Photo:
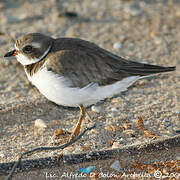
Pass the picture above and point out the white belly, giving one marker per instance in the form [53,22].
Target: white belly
[57,89]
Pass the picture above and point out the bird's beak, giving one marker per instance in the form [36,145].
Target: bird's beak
[11,53]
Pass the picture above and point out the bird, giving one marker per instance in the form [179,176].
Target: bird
[77,73]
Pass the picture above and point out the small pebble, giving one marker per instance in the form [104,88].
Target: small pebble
[133,11]
[157,40]
[40,123]
[116,145]
[2,155]
[115,165]
[142,82]
[39,127]
[116,100]
[97,109]
[114,109]
[95,3]
[58,132]
[117,45]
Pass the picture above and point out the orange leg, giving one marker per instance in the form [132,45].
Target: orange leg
[76,130]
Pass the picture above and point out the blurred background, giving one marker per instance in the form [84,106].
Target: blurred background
[126,26]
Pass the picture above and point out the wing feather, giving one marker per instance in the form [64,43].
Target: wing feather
[83,62]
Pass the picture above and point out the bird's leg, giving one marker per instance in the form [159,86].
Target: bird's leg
[76,131]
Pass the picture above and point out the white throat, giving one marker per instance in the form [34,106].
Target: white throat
[24,60]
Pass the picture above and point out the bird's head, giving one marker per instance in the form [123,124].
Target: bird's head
[31,48]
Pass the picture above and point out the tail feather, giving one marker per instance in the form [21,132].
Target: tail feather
[146,69]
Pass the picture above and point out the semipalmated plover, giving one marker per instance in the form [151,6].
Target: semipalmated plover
[77,73]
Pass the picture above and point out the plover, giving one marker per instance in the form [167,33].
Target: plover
[77,73]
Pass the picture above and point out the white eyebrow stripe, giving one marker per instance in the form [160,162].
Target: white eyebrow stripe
[36,45]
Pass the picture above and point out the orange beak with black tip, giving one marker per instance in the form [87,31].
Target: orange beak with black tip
[11,53]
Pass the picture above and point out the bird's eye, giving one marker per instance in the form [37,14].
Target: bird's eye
[27,49]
